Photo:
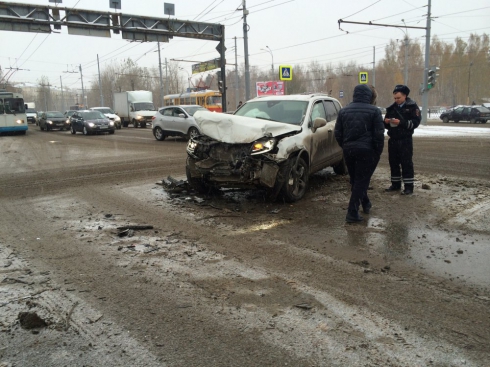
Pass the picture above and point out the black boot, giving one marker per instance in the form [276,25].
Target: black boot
[366,207]
[408,190]
[353,217]
[393,187]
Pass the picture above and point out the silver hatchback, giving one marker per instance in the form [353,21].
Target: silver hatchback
[176,121]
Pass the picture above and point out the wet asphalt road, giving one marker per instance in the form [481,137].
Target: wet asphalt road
[223,287]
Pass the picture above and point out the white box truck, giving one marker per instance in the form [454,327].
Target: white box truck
[134,107]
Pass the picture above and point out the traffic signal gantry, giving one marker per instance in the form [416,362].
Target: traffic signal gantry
[432,76]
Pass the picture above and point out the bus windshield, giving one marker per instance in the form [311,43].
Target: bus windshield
[12,106]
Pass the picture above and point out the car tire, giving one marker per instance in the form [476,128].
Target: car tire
[484,121]
[42,128]
[158,133]
[143,125]
[294,177]
[198,184]
[473,121]
[341,168]
[456,121]
[135,124]
[72,130]
[111,131]
[85,131]
[124,123]
[192,133]
[445,119]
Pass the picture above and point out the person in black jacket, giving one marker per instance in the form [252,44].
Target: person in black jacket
[401,119]
[359,130]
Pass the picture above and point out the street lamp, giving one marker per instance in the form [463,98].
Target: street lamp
[469,79]
[268,49]
[188,77]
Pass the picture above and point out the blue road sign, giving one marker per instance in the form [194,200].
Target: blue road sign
[285,72]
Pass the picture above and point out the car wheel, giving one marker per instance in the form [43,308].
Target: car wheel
[472,121]
[445,120]
[135,124]
[294,174]
[42,128]
[111,131]
[73,131]
[340,168]
[85,131]
[158,133]
[483,121]
[456,121]
[192,133]
[143,125]
[198,184]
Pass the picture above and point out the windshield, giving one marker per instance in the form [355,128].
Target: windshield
[483,109]
[144,106]
[31,110]
[104,110]
[290,112]
[213,100]
[93,115]
[69,113]
[12,105]
[54,114]
[191,110]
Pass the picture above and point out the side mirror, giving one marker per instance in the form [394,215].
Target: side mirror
[318,123]
[182,115]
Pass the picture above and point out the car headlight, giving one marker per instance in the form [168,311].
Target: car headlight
[139,117]
[117,118]
[49,122]
[91,124]
[19,122]
[263,146]
[191,146]
[67,121]
[111,123]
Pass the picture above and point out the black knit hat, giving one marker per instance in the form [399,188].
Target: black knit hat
[402,89]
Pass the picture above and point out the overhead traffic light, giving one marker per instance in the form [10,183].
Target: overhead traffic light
[432,76]
[220,86]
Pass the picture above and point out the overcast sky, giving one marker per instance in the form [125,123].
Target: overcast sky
[297,32]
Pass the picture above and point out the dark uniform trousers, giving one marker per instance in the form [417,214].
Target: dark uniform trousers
[361,164]
[400,152]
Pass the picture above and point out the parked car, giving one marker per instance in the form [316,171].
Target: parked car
[52,120]
[272,142]
[31,115]
[110,114]
[176,121]
[91,122]
[472,114]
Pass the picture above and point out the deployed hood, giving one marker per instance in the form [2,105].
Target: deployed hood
[238,129]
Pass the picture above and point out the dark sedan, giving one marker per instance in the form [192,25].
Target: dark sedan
[52,120]
[91,122]
[472,114]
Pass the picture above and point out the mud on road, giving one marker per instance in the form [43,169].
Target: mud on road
[233,279]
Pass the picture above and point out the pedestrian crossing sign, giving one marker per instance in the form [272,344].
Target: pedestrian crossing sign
[285,72]
[363,77]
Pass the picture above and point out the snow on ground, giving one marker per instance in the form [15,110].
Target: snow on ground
[443,131]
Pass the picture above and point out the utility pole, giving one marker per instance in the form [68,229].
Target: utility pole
[425,95]
[237,98]
[245,42]
[83,90]
[161,77]
[374,66]
[62,96]
[166,76]
[100,83]
[405,74]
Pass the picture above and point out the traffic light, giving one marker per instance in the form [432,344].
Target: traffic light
[431,77]
[220,86]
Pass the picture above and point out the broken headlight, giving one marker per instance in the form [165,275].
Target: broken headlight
[191,146]
[263,146]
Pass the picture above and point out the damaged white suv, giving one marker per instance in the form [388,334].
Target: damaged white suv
[272,142]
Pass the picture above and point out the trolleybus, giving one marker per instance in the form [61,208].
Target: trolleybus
[12,113]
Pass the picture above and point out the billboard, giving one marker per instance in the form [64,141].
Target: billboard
[205,66]
[269,88]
